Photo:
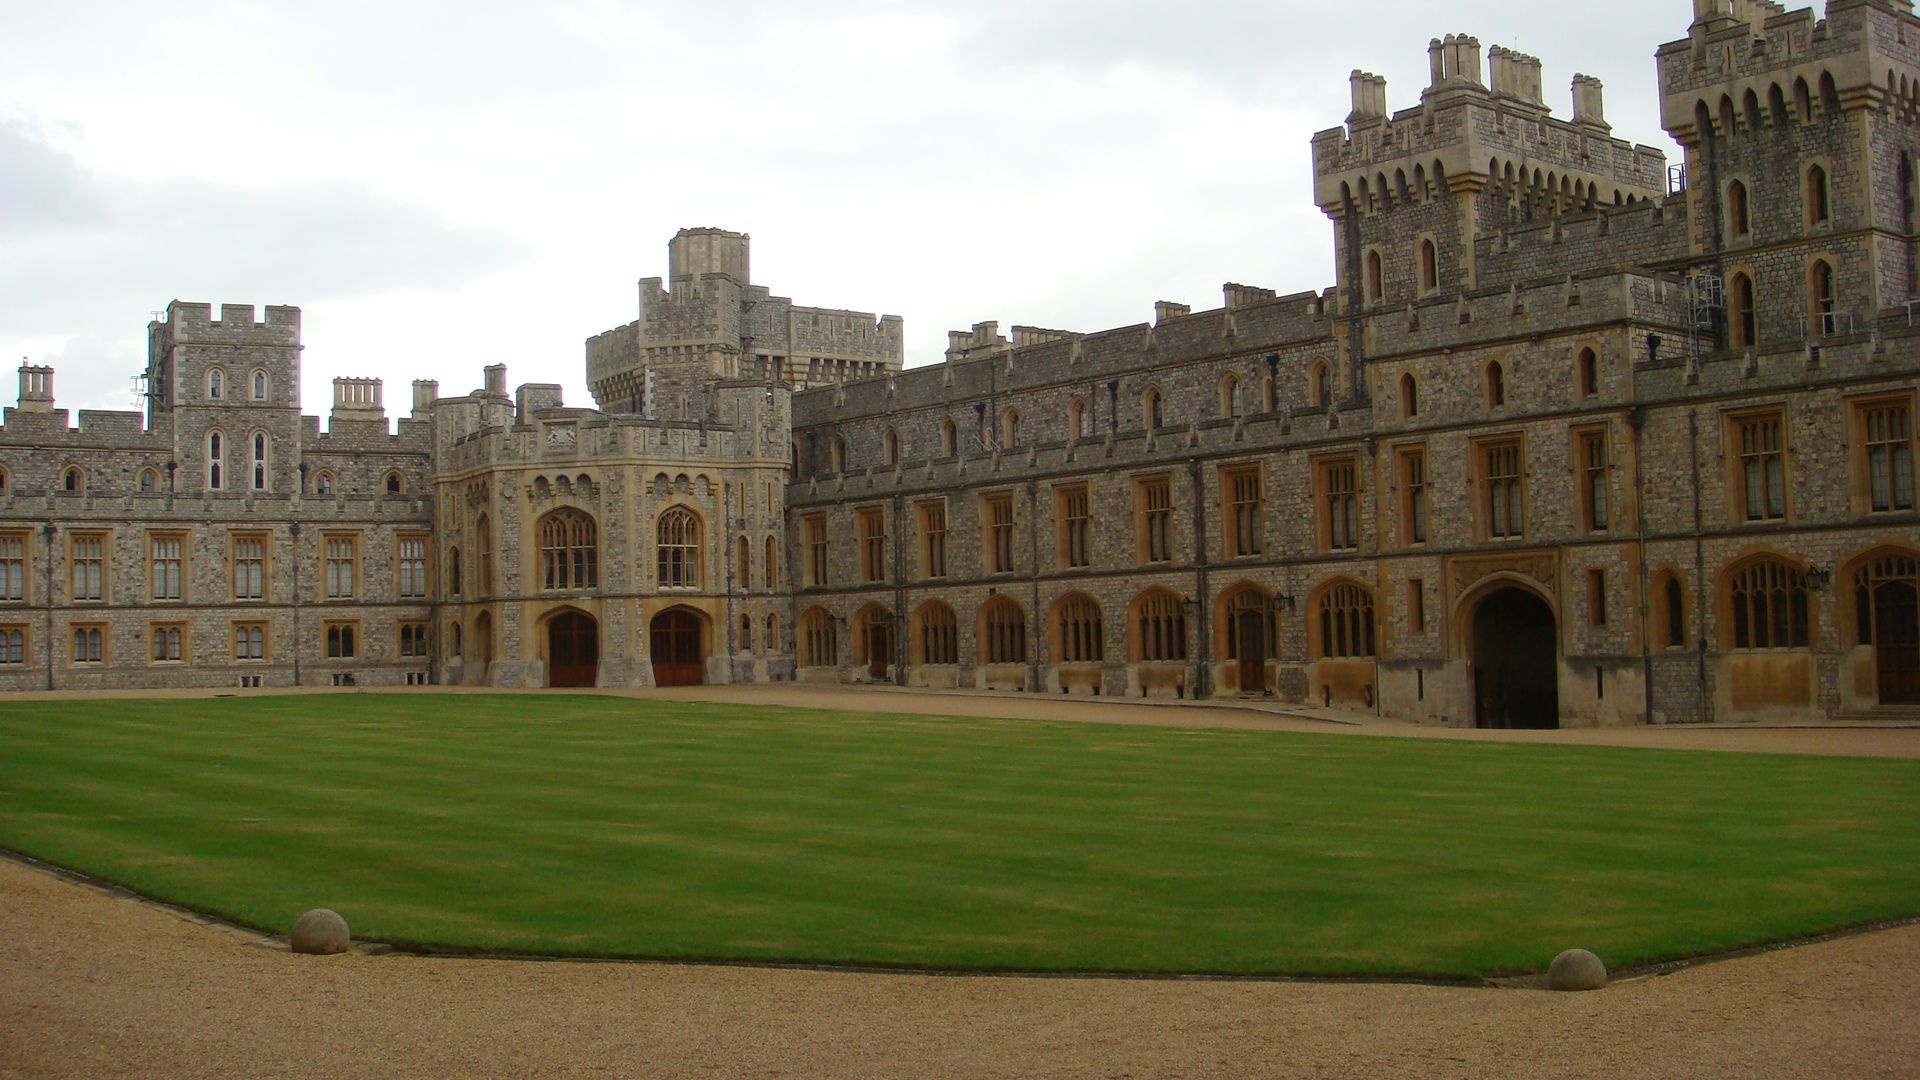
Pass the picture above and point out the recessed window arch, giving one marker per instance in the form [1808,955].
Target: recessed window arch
[1010,429]
[890,448]
[936,634]
[746,634]
[216,460]
[772,564]
[1742,323]
[454,582]
[1768,605]
[1079,423]
[1496,384]
[949,438]
[839,452]
[1159,627]
[394,483]
[257,459]
[819,641]
[1345,617]
[1429,261]
[677,539]
[1670,610]
[73,479]
[1820,298]
[258,383]
[1320,385]
[1153,408]
[1409,396]
[1738,216]
[1587,373]
[148,481]
[216,379]
[1003,632]
[323,483]
[483,556]
[1079,638]
[742,563]
[569,550]
[1819,202]
[1232,405]
[1376,278]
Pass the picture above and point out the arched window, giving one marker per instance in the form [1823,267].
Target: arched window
[949,441]
[1670,611]
[1376,278]
[1740,316]
[773,634]
[259,381]
[1003,632]
[1252,600]
[1078,620]
[745,644]
[215,452]
[937,634]
[742,571]
[1409,396]
[569,551]
[1768,598]
[459,641]
[819,643]
[483,562]
[678,537]
[1152,408]
[1738,220]
[1820,296]
[1322,385]
[148,481]
[1496,385]
[1818,205]
[394,483]
[323,483]
[1346,621]
[773,565]
[454,584]
[1588,373]
[214,379]
[1230,403]
[1077,425]
[259,461]
[1162,627]
[839,454]
[890,448]
[1010,429]
[1429,266]
[73,480]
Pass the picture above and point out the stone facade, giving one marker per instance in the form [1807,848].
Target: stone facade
[1573,437]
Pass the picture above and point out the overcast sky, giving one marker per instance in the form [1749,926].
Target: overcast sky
[445,185]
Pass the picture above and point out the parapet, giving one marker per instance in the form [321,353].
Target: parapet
[695,253]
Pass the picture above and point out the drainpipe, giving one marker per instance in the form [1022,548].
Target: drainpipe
[900,625]
[1637,419]
[294,582]
[1705,711]
[1204,606]
[1033,573]
[726,556]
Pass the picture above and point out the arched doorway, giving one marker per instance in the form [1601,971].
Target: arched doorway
[674,640]
[573,650]
[873,633]
[1516,662]
[1887,596]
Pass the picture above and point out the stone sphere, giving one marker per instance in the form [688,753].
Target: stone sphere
[320,932]
[1576,969]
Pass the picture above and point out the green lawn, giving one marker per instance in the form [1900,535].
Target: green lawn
[621,827]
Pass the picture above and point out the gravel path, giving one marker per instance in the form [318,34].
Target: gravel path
[98,985]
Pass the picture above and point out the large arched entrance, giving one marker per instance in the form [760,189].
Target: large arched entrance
[573,650]
[674,640]
[1516,661]
[1887,599]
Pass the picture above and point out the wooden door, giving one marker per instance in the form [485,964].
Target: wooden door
[879,650]
[675,646]
[573,651]
[1253,651]
[1896,642]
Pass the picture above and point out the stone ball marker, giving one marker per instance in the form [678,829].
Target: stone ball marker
[1576,969]
[320,932]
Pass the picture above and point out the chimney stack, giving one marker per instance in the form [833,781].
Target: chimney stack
[36,389]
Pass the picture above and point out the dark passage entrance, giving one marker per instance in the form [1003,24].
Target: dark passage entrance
[1516,662]
[573,650]
[879,649]
[675,641]
[1252,641]
[1896,642]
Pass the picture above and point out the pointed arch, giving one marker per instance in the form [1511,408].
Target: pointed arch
[678,543]
[1078,636]
[1156,627]
[569,550]
[817,640]
[1001,631]
[1341,610]
[936,634]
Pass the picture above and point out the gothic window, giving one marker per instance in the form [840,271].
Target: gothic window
[393,483]
[1376,278]
[1078,619]
[772,564]
[483,563]
[1322,387]
[1339,504]
[1429,267]
[259,381]
[1768,600]
[569,551]
[819,643]
[938,633]
[890,448]
[678,537]
[1346,622]
[1496,385]
[1820,297]
[1818,203]
[1003,632]
[323,484]
[1152,408]
[1886,454]
[1741,328]
[215,450]
[1079,423]
[1010,429]
[214,380]
[949,443]
[1409,397]
[1231,405]
[1162,627]
[1738,223]
[1761,460]
[1587,371]
[73,480]
[1503,499]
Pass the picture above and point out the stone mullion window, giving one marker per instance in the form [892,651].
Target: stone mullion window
[939,635]
[1769,607]
[1163,629]
[816,538]
[1080,632]
[1413,480]
[1155,508]
[1762,467]
[1243,511]
[1592,449]
[412,578]
[872,527]
[413,640]
[169,643]
[678,549]
[86,554]
[1346,622]
[569,551]
[933,534]
[999,515]
[249,641]
[249,557]
[343,561]
[1339,505]
[13,567]
[1888,435]
[1076,522]
[1005,631]
[1504,495]
[13,645]
[90,644]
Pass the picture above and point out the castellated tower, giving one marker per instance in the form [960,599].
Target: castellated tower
[1409,192]
[230,385]
[1799,135]
[708,322]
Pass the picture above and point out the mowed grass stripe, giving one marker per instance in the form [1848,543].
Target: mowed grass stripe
[627,827]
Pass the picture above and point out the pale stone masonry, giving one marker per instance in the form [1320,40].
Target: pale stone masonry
[1572,438]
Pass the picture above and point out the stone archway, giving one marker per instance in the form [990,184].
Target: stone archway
[573,650]
[674,645]
[1516,661]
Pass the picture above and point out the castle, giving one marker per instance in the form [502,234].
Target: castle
[1575,437]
